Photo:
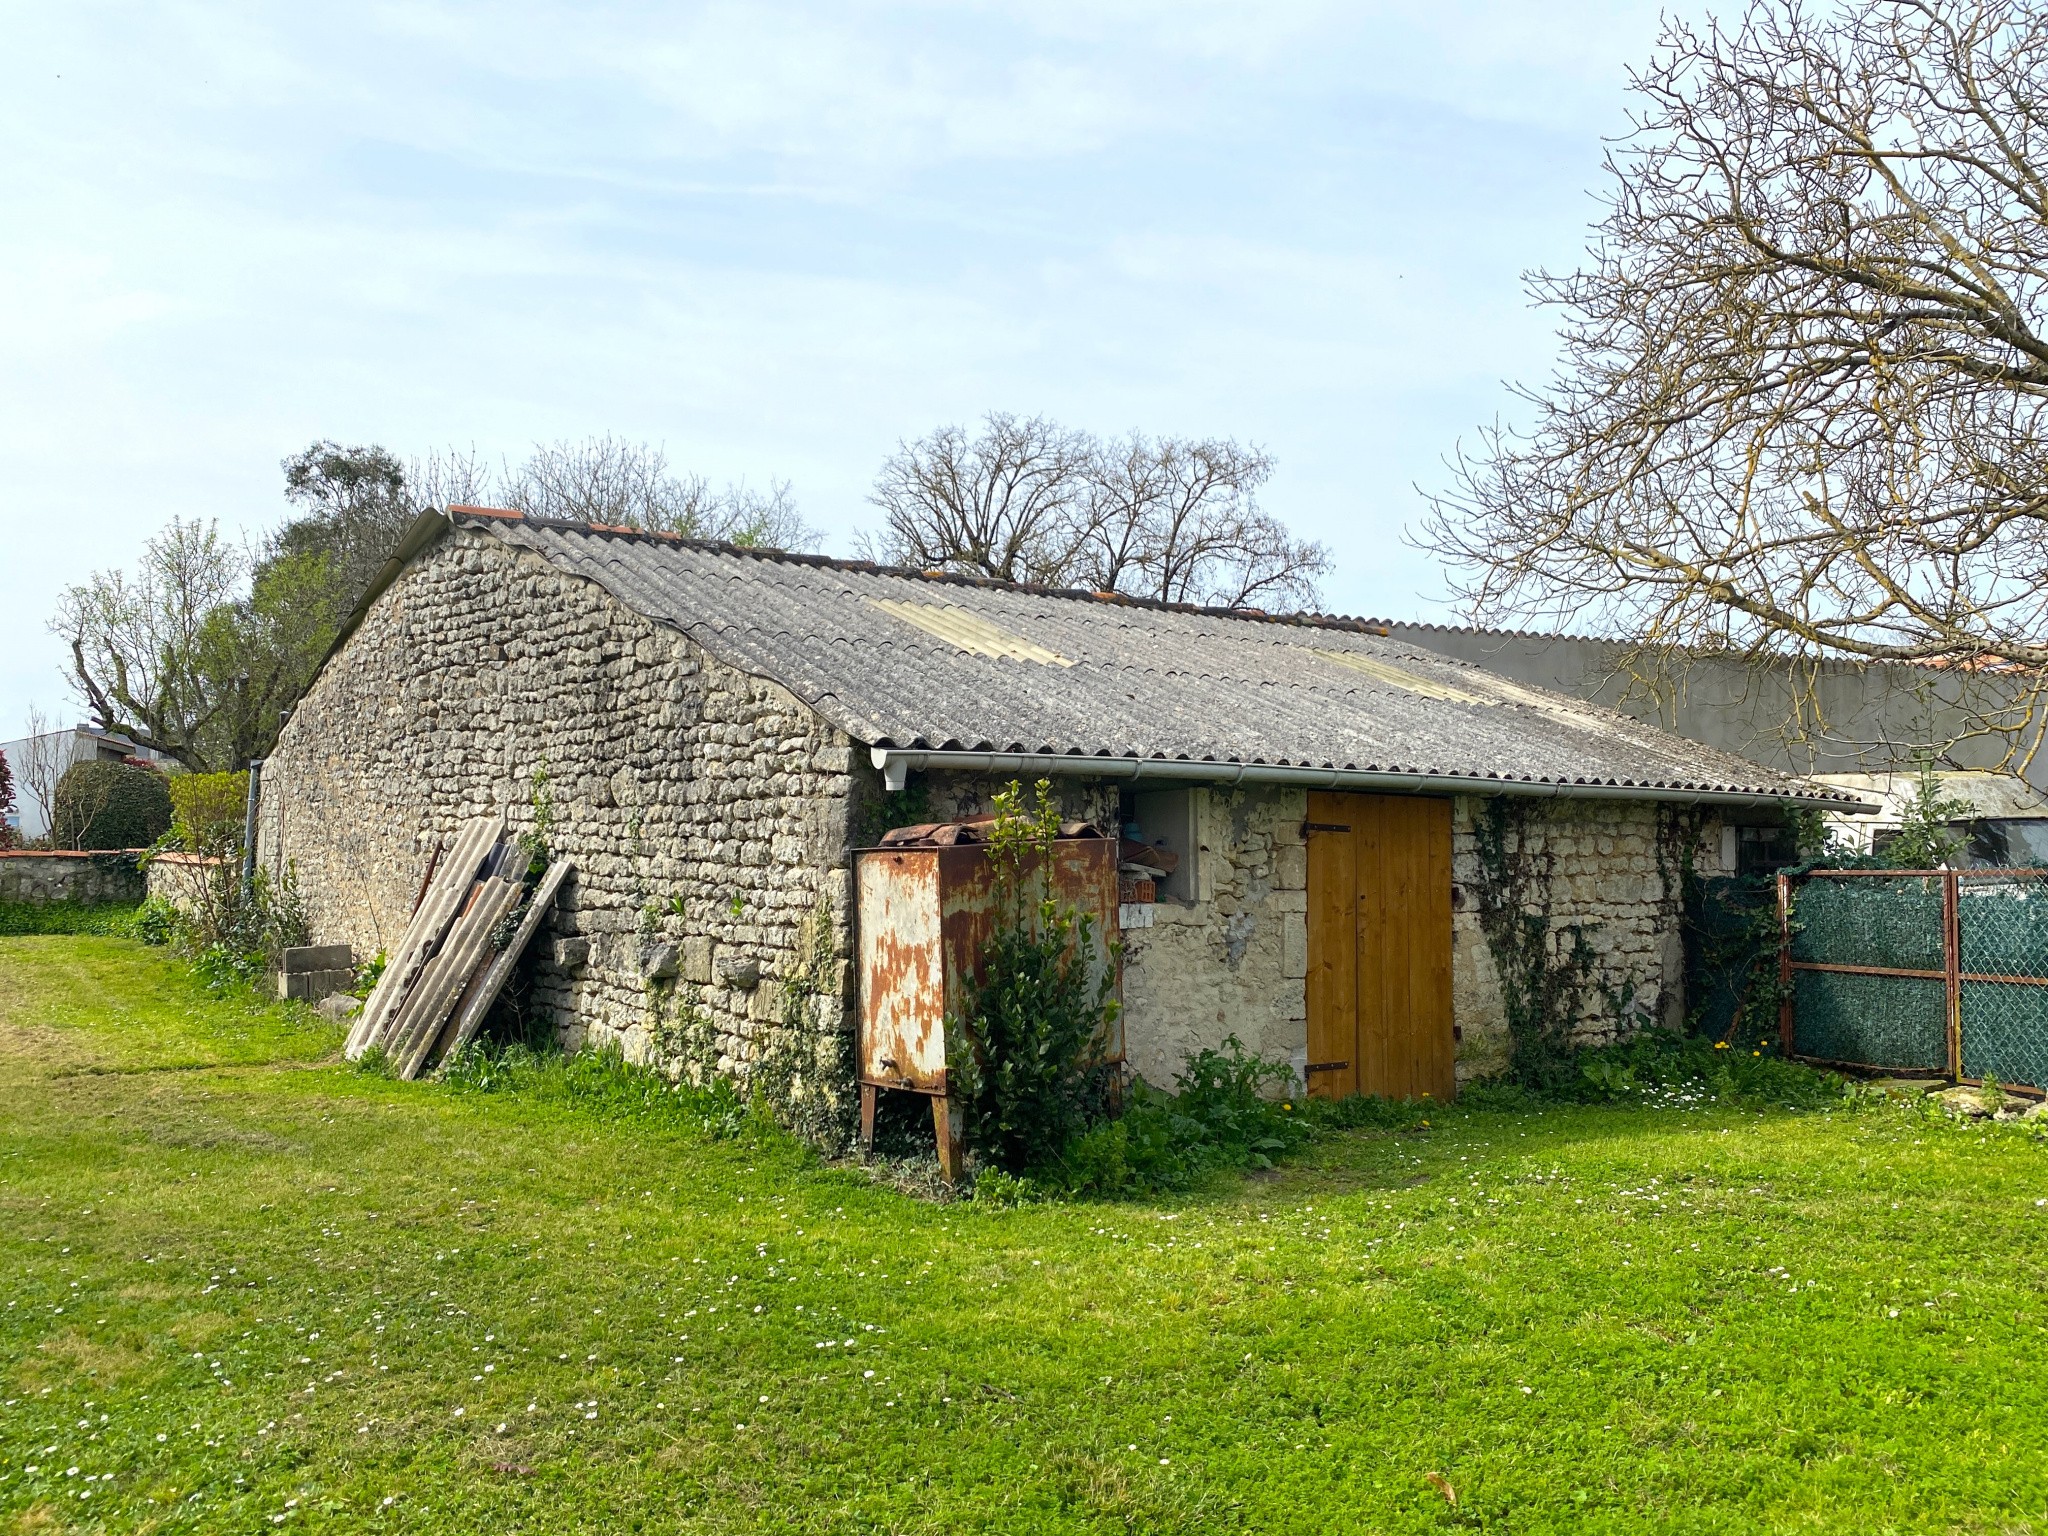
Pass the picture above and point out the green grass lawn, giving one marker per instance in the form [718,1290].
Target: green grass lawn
[248,1288]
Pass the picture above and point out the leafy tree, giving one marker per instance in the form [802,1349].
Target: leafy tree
[354,506]
[1926,838]
[1803,408]
[110,803]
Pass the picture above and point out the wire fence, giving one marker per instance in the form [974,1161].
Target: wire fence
[1941,971]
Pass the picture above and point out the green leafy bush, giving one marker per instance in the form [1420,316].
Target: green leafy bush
[208,811]
[1026,1052]
[109,804]
[1657,1066]
[1223,1116]
[158,922]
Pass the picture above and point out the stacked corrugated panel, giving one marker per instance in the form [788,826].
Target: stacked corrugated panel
[474,919]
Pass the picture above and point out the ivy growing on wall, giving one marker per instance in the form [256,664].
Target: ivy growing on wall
[806,1063]
[1546,968]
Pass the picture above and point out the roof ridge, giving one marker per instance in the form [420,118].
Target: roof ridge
[1341,623]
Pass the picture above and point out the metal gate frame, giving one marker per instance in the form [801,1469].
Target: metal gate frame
[1951,975]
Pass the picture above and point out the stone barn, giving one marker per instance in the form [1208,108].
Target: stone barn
[1361,827]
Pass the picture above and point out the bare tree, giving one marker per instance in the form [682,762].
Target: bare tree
[1027,500]
[1179,520]
[455,477]
[41,763]
[138,642]
[1803,410]
[607,480]
[1009,503]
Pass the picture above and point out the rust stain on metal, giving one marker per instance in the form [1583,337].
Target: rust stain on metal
[925,916]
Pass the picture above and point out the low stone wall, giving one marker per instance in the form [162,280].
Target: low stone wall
[91,879]
[179,878]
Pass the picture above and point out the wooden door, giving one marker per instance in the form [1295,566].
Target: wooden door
[1379,946]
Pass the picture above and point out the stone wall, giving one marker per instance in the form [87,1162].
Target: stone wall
[1235,960]
[91,879]
[707,813]
[1605,871]
[180,879]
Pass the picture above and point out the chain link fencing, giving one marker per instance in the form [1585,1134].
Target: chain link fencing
[1941,971]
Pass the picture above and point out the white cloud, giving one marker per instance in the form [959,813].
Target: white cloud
[774,236]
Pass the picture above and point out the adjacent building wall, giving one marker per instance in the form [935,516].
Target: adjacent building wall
[1824,717]
[706,811]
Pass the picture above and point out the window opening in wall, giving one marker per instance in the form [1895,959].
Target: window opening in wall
[1163,820]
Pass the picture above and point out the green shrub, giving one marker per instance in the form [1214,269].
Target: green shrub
[109,804]
[208,813]
[1032,1030]
[1222,1117]
[158,922]
[1026,1052]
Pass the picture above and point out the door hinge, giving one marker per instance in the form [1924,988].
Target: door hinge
[1327,1066]
[1322,826]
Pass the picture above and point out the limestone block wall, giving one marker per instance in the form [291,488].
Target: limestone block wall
[88,878]
[1611,869]
[1235,960]
[706,811]
[180,878]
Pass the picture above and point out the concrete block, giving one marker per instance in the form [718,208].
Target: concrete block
[312,986]
[319,957]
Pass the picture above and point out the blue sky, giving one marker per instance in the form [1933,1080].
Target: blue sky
[774,238]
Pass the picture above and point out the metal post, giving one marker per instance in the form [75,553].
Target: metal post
[1952,971]
[249,831]
[1785,964]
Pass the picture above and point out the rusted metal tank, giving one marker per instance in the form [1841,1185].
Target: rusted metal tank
[925,914]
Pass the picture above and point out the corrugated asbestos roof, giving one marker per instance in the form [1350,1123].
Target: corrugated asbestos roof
[910,660]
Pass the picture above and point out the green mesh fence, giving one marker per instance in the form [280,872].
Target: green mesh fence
[2004,925]
[2005,1032]
[1898,1022]
[1731,958]
[2004,928]
[1891,921]
[1893,1022]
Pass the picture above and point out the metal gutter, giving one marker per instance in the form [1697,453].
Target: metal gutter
[896,763]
